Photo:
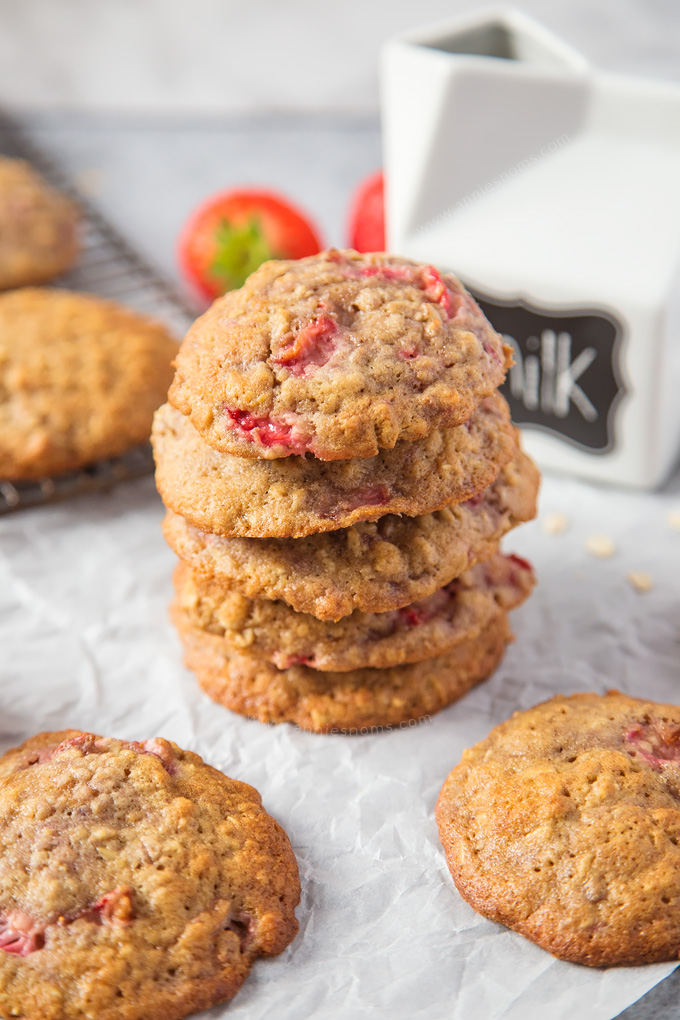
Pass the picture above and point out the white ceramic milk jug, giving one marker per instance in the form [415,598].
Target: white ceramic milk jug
[553,191]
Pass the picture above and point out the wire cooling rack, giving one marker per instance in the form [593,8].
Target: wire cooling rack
[109,267]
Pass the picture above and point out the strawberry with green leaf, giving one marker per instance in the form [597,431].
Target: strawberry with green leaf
[234,232]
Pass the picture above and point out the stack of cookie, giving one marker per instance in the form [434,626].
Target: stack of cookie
[338,470]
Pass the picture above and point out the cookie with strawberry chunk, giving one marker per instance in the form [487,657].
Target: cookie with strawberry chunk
[424,629]
[375,566]
[338,355]
[355,701]
[136,882]
[564,824]
[297,496]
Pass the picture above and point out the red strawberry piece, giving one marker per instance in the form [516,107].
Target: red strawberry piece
[115,907]
[476,499]
[519,562]
[87,743]
[20,935]
[656,743]
[427,609]
[435,289]
[282,661]
[268,431]
[427,278]
[84,742]
[160,749]
[401,274]
[374,495]
[492,352]
[314,344]
[336,503]
[412,616]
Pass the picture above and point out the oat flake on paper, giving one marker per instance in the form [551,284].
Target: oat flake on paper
[84,589]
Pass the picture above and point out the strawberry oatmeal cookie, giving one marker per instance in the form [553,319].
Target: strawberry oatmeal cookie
[136,882]
[338,469]
[431,627]
[299,496]
[358,700]
[338,355]
[564,824]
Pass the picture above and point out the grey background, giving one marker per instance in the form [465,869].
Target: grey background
[171,56]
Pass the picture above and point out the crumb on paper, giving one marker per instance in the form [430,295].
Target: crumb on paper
[639,580]
[600,546]
[555,523]
[673,520]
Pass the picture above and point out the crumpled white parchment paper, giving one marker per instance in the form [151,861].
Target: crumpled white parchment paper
[85,639]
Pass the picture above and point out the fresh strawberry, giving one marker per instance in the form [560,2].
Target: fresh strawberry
[367,215]
[234,232]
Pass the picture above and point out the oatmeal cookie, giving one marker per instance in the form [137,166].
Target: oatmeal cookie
[136,882]
[564,824]
[339,355]
[80,378]
[38,227]
[297,496]
[352,701]
[376,566]
[422,630]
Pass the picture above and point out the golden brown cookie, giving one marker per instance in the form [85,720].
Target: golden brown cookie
[422,630]
[358,700]
[136,882]
[80,378]
[376,566]
[38,227]
[338,355]
[297,496]
[564,824]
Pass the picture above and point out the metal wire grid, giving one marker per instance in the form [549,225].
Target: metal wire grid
[109,267]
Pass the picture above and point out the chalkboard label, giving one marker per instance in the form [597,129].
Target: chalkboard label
[566,379]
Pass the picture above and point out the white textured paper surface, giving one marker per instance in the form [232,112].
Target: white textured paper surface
[85,642]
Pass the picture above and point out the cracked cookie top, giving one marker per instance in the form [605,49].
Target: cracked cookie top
[338,355]
[135,880]
[564,824]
